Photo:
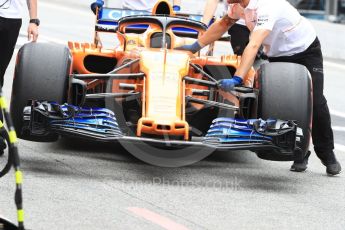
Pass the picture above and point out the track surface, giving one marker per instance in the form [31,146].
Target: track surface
[80,185]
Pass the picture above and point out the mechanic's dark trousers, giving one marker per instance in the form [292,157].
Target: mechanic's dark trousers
[322,132]
[239,38]
[9,30]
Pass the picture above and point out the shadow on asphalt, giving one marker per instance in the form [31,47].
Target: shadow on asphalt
[109,151]
[235,170]
[97,150]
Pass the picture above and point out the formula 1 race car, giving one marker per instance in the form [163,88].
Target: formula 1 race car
[163,105]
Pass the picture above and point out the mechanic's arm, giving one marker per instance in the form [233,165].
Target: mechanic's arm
[214,32]
[217,30]
[32,28]
[210,9]
[247,60]
[248,57]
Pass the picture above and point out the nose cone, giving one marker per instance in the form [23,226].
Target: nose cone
[164,93]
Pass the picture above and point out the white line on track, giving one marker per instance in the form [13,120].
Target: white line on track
[339,147]
[335,65]
[338,128]
[67,9]
[55,40]
[337,113]
[22,39]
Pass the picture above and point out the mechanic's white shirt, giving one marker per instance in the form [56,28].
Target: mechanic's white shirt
[290,33]
[12,8]
[139,4]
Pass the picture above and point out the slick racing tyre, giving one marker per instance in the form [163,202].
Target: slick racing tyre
[41,73]
[285,92]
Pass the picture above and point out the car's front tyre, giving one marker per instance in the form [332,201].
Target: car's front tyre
[285,92]
[41,73]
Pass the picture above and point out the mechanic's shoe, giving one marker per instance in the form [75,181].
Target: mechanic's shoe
[2,146]
[333,166]
[333,169]
[300,165]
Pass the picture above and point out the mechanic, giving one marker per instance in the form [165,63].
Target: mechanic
[146,5]
[10,23]
[286,37]
[11,12]
[239,32]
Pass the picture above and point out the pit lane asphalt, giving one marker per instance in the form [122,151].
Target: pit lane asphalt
[81,185]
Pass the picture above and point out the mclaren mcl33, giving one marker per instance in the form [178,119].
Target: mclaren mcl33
[163,105]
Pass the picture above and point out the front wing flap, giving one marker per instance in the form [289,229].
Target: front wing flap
[230,133]
[43,118]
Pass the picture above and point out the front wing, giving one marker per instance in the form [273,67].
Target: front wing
[100,124]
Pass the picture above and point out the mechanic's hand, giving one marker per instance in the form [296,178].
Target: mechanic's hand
[96,4]
[32,32]
[176,8]
[195,47]
[229,84]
